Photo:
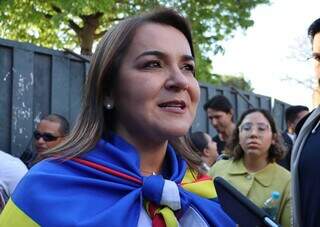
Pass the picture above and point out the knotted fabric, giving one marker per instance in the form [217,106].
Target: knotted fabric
[102,188]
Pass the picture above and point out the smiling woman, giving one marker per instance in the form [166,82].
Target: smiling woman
[126,154]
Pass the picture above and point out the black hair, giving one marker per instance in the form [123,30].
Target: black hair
[220,103]
[198,142]
[293,111]
[64,124]
[313,29]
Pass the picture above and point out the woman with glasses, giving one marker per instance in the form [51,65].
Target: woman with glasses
[252,169]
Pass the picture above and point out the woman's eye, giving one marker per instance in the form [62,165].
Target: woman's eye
[152,64]
[188,67]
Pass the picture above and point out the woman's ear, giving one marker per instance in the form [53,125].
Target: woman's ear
[206,152]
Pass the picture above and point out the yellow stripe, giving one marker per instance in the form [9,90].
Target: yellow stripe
[169,217]
[202,188]
[13,216]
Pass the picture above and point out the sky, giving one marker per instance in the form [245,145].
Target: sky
[272,53]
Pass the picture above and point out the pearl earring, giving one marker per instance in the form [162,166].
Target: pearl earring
[108,103]
[109,106]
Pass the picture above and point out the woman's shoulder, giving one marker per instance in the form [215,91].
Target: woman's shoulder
[281,172]
[220,166]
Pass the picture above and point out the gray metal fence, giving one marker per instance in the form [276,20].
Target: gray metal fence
[36,81]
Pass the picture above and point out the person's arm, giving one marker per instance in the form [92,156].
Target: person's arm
[14,171]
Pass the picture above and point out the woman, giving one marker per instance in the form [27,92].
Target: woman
[202,144]
[124,162]
[252,168]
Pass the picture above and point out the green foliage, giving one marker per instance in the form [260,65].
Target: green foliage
[58,23]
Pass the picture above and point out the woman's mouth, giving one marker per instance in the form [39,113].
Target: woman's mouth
[176,106]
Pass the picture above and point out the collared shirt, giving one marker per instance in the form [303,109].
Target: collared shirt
[258,186]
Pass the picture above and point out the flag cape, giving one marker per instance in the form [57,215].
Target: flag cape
[72,193]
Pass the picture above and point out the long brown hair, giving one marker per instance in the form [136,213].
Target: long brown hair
[93,119]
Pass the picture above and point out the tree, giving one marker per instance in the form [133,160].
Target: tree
[69,24]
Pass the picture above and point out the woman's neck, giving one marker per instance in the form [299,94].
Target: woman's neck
[151,160]
[254,163]
[151,152]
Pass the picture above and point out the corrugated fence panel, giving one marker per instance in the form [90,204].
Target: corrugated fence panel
[60,86]
[5,97]
[77,72]
[42,86]
[22,99]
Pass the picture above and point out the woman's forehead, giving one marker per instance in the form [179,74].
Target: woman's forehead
[154,36]
[255,117]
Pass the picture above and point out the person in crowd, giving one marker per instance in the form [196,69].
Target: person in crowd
[293,115]
[50,131]
[305,158]
[203,145]
[219,111]
[125,162]
[252,169]
[11,172]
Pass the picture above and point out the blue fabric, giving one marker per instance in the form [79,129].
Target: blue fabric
[152,188]
[56,193]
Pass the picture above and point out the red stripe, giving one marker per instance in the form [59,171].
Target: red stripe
[107,170]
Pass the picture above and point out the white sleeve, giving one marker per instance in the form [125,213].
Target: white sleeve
[11,171]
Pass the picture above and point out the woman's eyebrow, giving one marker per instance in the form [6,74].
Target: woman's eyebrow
[153,53]
[160,54]
[187,57]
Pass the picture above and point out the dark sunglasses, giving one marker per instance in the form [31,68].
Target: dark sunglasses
[48,137]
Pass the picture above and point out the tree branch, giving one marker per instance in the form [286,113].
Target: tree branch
[56,9]
[74,26]
[97,15]
[100,34]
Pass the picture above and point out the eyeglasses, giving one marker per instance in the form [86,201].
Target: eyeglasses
[48,137]
[248,127]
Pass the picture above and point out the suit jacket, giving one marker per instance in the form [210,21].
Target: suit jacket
[285,162]
[305,130]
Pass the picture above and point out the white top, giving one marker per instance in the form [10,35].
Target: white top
[12,170]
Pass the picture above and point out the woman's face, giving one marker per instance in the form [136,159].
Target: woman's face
[212,149]
[156,94]
[255,135]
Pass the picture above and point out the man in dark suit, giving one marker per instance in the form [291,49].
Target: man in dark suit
[293,115]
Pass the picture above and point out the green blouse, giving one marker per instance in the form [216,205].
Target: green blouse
[259,185]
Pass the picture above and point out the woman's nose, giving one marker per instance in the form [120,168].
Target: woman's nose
[253,132]
[177,80]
